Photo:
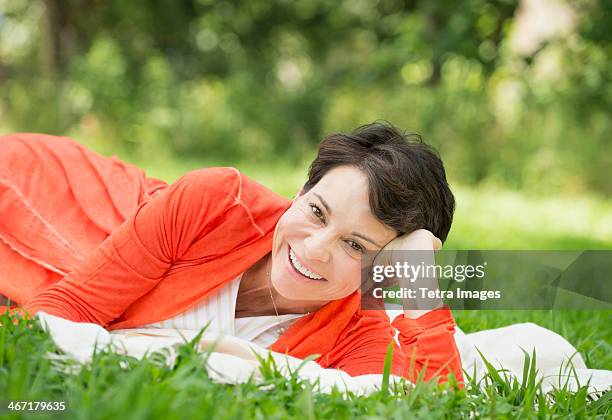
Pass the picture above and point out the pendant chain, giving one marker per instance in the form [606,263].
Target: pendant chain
[280,330]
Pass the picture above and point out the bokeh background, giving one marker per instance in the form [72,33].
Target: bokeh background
[515,95]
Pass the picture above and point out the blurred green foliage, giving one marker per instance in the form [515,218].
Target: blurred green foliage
[514,93]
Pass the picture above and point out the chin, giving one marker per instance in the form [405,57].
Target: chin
[287,288]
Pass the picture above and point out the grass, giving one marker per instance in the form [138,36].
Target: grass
[115,386]
[588,331]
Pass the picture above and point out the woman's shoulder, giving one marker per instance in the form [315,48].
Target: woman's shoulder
[228,187]
[211,177]
[227,181]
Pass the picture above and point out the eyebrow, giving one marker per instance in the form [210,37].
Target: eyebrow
[329,211]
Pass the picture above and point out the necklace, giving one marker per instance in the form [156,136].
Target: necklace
[279,329]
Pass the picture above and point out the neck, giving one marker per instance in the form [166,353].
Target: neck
[254,294]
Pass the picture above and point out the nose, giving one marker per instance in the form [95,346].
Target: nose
[316,247]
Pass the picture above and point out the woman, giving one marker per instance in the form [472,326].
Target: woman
[92,239]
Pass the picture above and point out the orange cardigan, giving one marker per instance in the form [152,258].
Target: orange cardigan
[185,241]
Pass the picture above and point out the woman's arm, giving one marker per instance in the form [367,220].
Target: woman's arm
[135,257]
[362,348]
[427,346]
[426,329]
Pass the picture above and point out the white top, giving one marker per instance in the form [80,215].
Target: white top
[220,310]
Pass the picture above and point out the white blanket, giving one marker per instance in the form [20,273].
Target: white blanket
[233,360]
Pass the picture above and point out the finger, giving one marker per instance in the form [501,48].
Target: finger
[437,244]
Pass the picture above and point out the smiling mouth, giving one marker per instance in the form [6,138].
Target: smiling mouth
[297,266]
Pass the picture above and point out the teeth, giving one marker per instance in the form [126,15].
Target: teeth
[299,267]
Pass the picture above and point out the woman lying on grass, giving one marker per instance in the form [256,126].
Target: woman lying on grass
[92,239]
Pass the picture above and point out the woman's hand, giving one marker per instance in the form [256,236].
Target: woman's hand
[425,243]
[419,240]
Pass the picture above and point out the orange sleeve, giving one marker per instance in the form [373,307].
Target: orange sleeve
[135,257]
[428,344]
[427,347]
[363,348]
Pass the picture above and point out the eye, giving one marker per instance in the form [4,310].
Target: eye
[317,212]
[355,246]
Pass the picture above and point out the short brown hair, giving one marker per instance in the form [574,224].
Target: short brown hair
[407,182]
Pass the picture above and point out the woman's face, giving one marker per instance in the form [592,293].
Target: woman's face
[319,240]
